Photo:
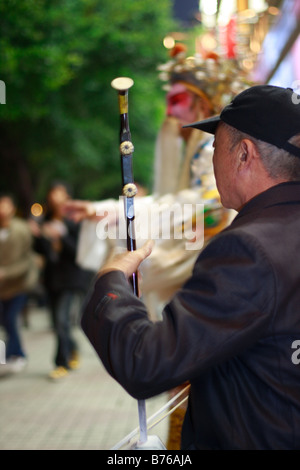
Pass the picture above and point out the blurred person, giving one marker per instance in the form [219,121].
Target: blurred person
[18,275]
[66,283]
[233,329]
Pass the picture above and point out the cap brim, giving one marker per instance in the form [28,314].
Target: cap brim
[208,125]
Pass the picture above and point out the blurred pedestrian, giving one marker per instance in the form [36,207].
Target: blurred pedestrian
[65,282]
[18,275]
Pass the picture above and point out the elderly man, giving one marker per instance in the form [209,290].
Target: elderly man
[233,329]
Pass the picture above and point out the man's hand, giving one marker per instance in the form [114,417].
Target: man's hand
[127,262]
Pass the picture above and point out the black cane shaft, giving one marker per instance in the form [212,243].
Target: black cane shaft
[127,175]
[124,128]
[122,84]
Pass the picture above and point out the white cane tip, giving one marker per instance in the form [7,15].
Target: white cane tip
[152,443]
[122,83]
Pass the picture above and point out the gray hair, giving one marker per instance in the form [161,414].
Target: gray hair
[278,162]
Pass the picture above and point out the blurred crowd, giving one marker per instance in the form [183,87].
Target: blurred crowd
[38,261]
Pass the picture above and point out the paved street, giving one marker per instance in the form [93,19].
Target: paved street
[87,410]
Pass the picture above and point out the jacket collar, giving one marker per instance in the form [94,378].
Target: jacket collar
[283,193]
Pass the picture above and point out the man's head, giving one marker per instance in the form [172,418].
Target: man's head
[268,113]
[7,209]
[258,134]
[58,194]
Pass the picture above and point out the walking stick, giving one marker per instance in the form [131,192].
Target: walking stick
[122,85]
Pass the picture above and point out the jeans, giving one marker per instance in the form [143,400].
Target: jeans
[63,306]
[11,310]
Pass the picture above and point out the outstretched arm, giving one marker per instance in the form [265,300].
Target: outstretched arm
[78,210]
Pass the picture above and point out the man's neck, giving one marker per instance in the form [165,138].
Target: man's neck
[262,189]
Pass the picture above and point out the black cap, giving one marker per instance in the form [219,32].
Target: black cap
[266,112]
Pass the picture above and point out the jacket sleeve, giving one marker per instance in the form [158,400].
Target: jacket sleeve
[219,312]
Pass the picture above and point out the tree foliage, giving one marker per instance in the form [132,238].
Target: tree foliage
[60,120]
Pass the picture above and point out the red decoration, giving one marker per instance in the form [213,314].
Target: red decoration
[230,39]
[177,49]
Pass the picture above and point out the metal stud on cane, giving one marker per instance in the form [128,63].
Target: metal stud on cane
[122,85]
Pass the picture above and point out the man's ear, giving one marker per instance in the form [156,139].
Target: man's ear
[246,153]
